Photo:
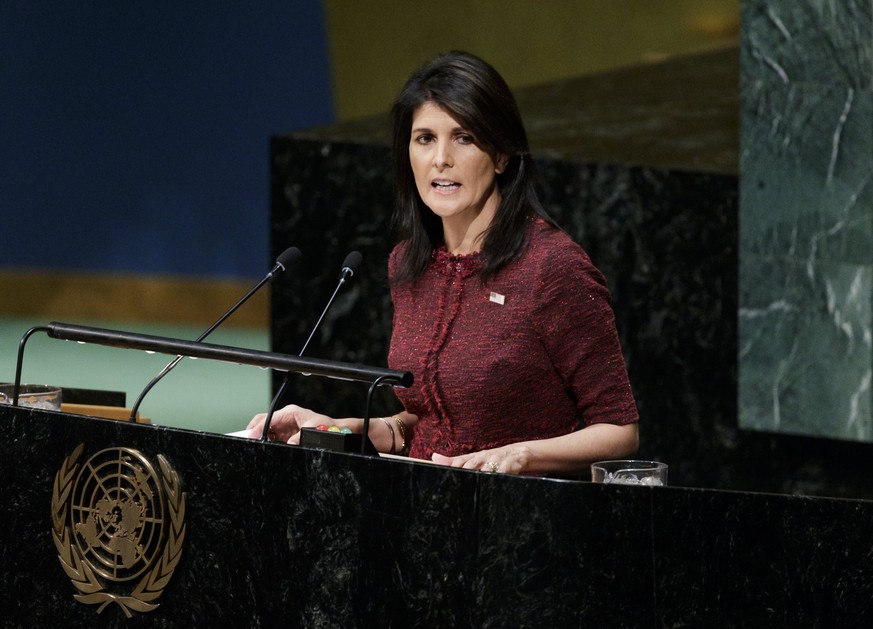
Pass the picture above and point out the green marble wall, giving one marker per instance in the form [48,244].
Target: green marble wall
[806,240]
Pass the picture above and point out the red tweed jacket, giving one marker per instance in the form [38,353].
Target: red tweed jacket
[534,354]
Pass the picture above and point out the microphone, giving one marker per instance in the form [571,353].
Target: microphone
[350,265]
[286,259]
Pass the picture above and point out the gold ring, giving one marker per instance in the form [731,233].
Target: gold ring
[492,466]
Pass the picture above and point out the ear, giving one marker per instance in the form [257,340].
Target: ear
[500,163]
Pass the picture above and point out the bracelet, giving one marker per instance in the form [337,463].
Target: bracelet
[401,428]
[391,430]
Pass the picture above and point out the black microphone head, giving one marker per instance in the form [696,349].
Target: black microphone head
[289,257]
[351,263]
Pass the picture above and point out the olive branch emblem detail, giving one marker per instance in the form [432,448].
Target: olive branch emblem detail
[116,521]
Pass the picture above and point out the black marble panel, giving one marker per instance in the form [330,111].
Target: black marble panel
[761,560]
[665,240]
[330,199]
[283,536]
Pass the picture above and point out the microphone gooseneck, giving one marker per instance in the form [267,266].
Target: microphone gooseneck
[287,259]
[350,265]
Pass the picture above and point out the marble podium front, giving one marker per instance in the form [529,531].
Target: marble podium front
[279,535]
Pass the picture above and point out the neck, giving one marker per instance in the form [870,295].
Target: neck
[463,244]
[463,236]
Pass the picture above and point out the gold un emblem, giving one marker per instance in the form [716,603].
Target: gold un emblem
[118,526]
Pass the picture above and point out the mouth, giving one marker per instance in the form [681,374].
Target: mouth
[444,185]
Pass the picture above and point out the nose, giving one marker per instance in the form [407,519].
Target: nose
[443,155]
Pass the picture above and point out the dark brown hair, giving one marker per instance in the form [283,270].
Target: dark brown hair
[476,96]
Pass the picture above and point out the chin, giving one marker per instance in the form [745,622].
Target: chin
[444,212]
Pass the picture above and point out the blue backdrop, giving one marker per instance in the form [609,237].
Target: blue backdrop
[134,136]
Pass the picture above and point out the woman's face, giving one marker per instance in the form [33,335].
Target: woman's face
[455,178]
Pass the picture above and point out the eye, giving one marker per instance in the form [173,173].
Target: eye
[465,138]
[423,138]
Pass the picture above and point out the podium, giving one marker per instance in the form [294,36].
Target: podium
[262,534]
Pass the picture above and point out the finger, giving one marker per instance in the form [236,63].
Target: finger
[471,463]
[466,461]
[451,461]
[441,459]
[257,419]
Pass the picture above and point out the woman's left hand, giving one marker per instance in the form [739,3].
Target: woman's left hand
[511,459]
[570,454]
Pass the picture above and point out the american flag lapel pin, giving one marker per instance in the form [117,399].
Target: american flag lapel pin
[497,298]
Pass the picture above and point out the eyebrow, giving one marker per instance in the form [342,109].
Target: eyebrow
[429,130]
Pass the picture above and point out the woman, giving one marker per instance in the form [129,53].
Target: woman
[501,317]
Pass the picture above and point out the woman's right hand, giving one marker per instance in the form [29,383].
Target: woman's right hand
[287,422]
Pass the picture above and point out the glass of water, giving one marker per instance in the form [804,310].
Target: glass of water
[630,472]
[32,395]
